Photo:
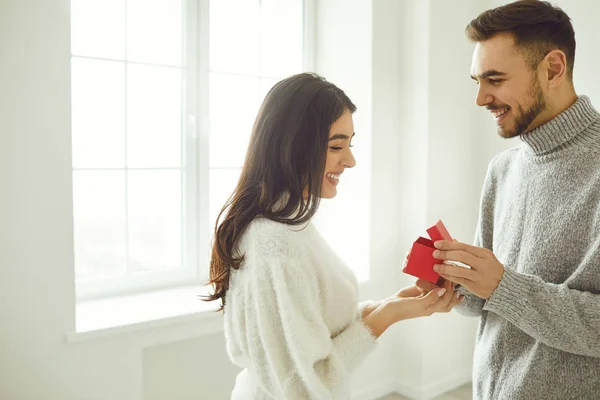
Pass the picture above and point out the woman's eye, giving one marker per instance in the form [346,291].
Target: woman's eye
[335,148]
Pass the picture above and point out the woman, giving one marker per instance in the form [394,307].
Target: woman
[292,319]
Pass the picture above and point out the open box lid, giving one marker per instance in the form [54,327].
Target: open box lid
[438,232]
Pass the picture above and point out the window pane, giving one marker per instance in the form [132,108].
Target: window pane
[222,183]
[98,28]
[154,211]
[233,109]
[281,37]
[154,31]
[99,223]
[234,44]
[153,116]
[98,113]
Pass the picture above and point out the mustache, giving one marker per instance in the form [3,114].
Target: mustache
[492,107]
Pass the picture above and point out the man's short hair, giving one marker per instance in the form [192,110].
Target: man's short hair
[538,27]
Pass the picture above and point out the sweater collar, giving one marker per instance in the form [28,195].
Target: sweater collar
[561,129]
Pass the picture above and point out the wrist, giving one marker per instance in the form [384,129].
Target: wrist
[369,307]
[379,319]
[491,293]
[386,311]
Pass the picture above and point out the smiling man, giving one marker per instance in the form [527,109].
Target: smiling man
[534,279]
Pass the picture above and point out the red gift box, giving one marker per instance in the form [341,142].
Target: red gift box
[421,261]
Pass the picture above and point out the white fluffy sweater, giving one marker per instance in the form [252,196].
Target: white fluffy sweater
[292,319]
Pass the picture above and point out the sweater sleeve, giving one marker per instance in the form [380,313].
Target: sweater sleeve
[290,340]
[563,318]
[364,304]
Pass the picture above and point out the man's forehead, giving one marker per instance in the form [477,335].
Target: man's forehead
[497,53]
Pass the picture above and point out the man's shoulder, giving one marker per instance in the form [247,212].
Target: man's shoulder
[504,159]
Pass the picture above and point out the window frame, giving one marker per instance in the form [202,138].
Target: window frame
[197,229]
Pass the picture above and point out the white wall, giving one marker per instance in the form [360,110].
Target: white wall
[423,128]
[399,173]
[584,15]
[343,56]
[35,205]
[196,368]
[404,65]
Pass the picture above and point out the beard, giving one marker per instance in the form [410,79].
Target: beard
[524,117]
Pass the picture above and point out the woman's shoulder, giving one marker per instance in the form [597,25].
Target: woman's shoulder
[267,237]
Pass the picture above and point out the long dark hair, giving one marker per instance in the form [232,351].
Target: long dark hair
[286,156]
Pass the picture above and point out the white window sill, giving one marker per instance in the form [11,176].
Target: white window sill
[179,308]
[149,310]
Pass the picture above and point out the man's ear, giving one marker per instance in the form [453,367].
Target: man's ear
[556,67]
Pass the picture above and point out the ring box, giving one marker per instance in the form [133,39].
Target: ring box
[421,261]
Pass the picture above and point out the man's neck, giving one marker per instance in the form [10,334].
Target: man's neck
[556,105]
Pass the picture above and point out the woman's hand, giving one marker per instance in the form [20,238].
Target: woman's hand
[413,302]
[408,303]
[370,307]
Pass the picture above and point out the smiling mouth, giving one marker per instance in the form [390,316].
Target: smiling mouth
[333,179]
[500,112]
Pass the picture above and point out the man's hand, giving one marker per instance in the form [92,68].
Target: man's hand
[484,275]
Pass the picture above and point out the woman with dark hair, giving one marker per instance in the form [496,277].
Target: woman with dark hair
[292,318]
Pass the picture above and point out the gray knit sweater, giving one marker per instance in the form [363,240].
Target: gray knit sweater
[539,333]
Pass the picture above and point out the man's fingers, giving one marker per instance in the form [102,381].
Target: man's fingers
[448,245]
[461,281]
[457,255]
[454,271]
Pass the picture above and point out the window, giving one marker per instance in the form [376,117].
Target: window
[164,94]
[244,63]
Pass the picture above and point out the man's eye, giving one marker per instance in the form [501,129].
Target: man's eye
[496,81]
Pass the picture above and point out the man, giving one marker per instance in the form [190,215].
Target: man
[535,268]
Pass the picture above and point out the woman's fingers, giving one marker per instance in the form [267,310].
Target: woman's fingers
[446,299]
[456,299]
[411,291]
[425,286]
[431,299]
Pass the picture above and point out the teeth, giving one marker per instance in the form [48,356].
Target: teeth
[499,113]
[333,176]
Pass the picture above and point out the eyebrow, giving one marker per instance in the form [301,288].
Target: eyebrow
[340,136]
[487,74]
